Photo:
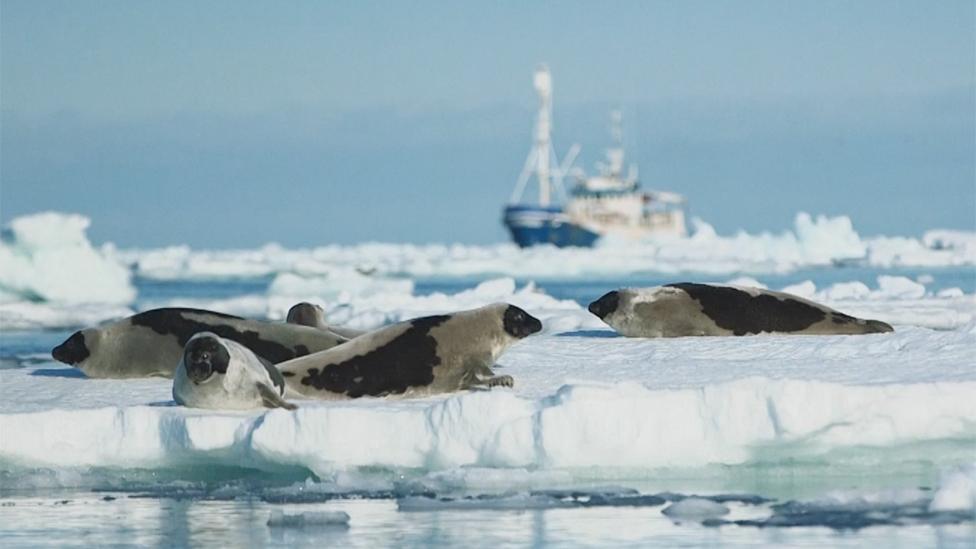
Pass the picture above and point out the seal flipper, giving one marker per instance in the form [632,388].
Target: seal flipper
[879,327]
[276,378]
[272,399]
[500,381]
[481,377]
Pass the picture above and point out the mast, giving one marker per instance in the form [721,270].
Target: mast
[543,128]
[542,159]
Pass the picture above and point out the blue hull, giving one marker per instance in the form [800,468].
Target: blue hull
[532,225]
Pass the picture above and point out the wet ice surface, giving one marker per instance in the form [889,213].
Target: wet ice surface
[90,520]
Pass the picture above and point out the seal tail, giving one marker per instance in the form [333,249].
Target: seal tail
[878,327]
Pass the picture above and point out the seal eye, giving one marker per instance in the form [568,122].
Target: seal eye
[519,323]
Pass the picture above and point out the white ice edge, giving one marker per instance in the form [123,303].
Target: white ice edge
[621,425]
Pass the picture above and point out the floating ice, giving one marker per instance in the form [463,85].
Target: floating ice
[279,519]
[814,241]
[695,508]
[899,287]
[26,315]
[957,491]
[340,284]
[46,257]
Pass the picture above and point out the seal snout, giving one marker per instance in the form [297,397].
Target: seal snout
[73,351]
[605,305]
[519,323]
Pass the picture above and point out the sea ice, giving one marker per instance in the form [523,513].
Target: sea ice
[694,508]
[279,519]
[814,241]
[46,257]
[957,491]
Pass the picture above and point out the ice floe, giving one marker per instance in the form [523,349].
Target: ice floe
[46,257]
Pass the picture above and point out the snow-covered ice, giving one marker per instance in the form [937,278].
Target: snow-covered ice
[695,509]
[588,409]
[957,491]
[583,399]
[370,284]
[47,257]
[814,241]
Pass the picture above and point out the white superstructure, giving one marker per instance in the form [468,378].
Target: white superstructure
[612,202]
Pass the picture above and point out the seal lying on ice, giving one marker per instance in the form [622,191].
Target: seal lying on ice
[221,374]
[428,355]
[151,343]
[689,309]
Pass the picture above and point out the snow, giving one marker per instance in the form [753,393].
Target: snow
[583,400]
[46,257]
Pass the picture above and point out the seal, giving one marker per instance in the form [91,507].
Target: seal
[689,309]
[221,374]
[419,357]
[151,343]
[310,314]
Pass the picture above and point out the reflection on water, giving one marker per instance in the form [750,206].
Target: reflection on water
[89,519]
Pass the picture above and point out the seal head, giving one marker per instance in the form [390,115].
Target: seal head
[73,351]
[204,356]
[520,324]
[605,305]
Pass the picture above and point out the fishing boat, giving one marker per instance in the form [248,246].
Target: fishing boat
[610,203]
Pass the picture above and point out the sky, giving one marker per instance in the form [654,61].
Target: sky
[232,124]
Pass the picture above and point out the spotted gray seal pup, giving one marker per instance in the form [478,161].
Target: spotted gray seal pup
[222,374]
[310,314]
[428,355]
[689,309]
[151,343]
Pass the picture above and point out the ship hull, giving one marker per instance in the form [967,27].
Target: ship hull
[536,225]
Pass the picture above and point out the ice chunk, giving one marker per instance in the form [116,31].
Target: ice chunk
[745,281]
[827,240]
[806,289]
[516,502]
[957,491]
[279,519]
[694,508]
[846,290]
[26,315]
[341,284]
[898,287]
[46,257]
[813,241]
[950,293]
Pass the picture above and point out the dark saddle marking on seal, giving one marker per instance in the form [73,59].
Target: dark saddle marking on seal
[408,360]
[171,321]
[742,313]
